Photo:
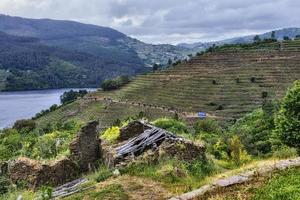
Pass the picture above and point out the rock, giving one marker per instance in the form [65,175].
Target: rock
[36,174]
[231,181]
[20,197]
[133,129]
[116,173]
[85,148]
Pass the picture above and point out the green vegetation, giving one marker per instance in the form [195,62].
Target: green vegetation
[116,83]
[111,134]
[172,125]
[282,186]
[188,87]
[287,121]
[174,174]
[71,96]
[39,143]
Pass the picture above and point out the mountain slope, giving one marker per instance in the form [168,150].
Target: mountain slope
[71,53]
[279,35]
[92,39]
[26,63]
[226,84]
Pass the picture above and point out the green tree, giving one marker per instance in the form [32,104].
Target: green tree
[288,119]
[256,38]
[273,35]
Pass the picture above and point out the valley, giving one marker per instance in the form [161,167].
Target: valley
[237,86]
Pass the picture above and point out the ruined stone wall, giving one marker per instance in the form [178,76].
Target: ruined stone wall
[85,148]
[85,151]
[36,174]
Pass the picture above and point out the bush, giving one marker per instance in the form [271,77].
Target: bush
[255,131]
[102,174]
[50,145]
[116,83]
[285,152]
[4,185]
[111,134]
[172,125]
[238,154]
[10,144]
[71,96]
[208,126]
[26,125]
[288,119]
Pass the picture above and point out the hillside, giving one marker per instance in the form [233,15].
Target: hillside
[226,84]
[26,63]
[279,35]
[80,54]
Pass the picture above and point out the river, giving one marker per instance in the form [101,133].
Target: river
[24,105]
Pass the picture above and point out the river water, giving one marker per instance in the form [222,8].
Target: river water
[24,105]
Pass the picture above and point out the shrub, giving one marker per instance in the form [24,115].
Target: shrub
[10,144]
[4,185]
[238,154]
[51,144]
[172,125]
[102,174]
[255,131]
[45,193]
[288,119]
[285,152]
[71,96]
[264,94]
[207,125]
[111,134]
[26,125]
[116,83]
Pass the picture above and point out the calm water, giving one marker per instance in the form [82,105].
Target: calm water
[23,105]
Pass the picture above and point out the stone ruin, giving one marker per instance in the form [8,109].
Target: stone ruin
[85,148]
[137,140]
[36,174]
[150,142]
[85,151]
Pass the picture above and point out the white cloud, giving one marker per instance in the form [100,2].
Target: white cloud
[169,21]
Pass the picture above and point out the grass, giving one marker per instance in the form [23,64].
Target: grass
[102,174]
[111,192]
[284,185]
[177,176]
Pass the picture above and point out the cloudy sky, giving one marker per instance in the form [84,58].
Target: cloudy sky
[167,21]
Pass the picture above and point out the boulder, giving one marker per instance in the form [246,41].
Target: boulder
[85,148]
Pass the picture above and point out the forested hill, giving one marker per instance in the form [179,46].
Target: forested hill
[27,63]
[44,53]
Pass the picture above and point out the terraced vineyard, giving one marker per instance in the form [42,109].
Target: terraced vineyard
[226,83]
[106,112]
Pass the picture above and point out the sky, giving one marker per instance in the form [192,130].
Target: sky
[167,21]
